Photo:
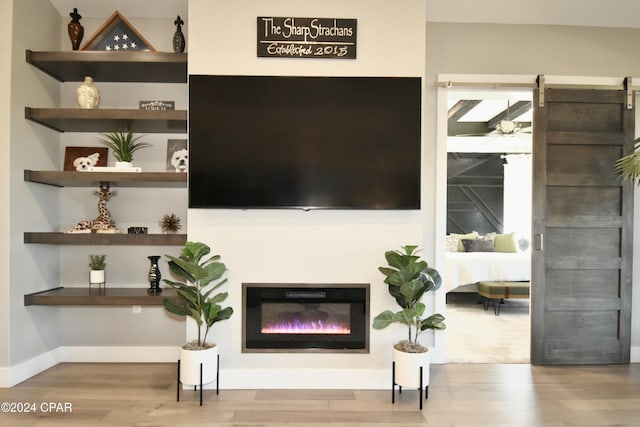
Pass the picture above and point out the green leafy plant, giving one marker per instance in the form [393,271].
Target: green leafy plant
[123,144]
[628,167]
[408,279]
[201,277]
[97,262]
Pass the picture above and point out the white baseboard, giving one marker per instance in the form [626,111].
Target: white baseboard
[119,354]
[22,371]
[360,379]
[635,355]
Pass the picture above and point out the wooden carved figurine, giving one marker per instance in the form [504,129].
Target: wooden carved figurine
[75,29]
[178,37]
[103,223]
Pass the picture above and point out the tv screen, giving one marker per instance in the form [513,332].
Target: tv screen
[304,142]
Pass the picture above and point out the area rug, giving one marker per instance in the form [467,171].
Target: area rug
[474,335]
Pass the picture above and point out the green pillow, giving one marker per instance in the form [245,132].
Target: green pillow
[469,236]
[505,243]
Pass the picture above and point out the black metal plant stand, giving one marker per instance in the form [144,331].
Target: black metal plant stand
[179,383]
[393,386]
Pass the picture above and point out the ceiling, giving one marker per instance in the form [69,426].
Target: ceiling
[593,13]
[590,13]
[128,8]
[473,116]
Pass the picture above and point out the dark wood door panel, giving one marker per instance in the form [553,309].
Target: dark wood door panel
[588,242]
[581,201]
[597,117]
[588,336]
[582,165]
[585,138]
[584,289]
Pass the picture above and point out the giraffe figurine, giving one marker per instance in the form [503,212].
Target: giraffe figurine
[103,223]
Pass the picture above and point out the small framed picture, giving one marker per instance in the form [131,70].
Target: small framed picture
[83,158]
[177,155]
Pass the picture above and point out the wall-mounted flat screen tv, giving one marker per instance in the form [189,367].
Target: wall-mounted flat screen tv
[304,142]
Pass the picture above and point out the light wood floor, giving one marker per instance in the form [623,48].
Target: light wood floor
[465,395]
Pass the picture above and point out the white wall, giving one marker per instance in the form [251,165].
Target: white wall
[6,9]
[307,247]
[517,194]
[31,333]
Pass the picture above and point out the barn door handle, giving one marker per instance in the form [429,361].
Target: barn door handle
[539,242]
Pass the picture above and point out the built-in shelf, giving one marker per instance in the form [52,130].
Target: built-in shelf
[109,120]
[120,179]
[59,238]
[99,296]
[132,66]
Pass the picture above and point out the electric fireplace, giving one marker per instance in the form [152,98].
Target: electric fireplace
[305,317]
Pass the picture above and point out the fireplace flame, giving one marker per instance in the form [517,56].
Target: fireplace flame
[315,327]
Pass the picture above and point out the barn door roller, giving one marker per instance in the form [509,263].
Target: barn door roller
[540,83]
[628,87]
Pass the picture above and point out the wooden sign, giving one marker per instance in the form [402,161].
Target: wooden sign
[157,105]
[287,37]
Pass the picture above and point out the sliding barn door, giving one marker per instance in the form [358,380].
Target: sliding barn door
[582,228]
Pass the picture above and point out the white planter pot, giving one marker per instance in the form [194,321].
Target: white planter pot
[123,165]
[190,361]
[96,276]
[407,368]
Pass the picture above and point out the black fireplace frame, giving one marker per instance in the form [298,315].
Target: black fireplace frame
[310,291]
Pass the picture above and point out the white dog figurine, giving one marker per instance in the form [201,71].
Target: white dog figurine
[84,163]
[180,160]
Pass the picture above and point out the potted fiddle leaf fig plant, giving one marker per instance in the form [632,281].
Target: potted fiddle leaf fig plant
[408,278]
[123,145]
[201,275]
[98,264]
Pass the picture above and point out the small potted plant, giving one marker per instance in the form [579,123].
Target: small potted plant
[201,276]
[123,145]
[408,278]
[97,264]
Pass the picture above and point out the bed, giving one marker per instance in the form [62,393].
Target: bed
[469,268]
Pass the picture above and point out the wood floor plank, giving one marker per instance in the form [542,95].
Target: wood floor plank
[328,417]
[305,395]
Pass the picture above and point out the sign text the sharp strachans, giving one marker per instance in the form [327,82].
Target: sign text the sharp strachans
[290,37]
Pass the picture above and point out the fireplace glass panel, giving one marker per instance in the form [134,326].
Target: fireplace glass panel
[305,318]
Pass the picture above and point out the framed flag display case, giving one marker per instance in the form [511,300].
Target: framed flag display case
[117,34]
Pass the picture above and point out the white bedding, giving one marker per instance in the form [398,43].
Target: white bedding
[463,268]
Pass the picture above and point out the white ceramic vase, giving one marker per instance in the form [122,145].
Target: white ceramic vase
[190,365]
[407,368]
[88,94]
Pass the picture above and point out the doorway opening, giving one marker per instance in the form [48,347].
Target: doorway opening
[489,148]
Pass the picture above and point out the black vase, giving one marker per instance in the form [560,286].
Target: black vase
[154,275]
[75,29]
[178,37]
